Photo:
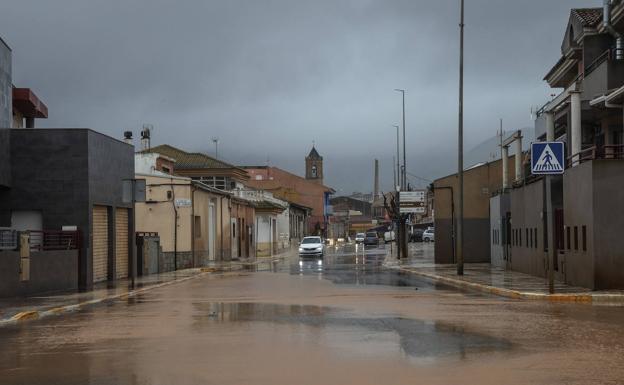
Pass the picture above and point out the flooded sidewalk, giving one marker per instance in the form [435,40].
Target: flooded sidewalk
[486,278]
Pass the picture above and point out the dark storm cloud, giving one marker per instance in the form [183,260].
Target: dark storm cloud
[268,77]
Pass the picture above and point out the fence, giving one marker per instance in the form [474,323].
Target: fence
[54,240]
[614,151]
[8,239]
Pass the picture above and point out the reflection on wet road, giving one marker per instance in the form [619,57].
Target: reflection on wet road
[416,338]
[340,320]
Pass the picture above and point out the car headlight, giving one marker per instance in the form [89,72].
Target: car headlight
[301,249]
[319,248]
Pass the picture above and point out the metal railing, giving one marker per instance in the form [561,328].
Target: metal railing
[8,239]
[612,151]
[54,240]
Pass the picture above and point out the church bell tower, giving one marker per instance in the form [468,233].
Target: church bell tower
[314,166]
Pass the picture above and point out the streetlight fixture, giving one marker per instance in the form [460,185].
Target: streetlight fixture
[403,179]
[460,149]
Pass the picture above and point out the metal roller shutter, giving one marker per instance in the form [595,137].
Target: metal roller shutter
[121,242]
[100,243]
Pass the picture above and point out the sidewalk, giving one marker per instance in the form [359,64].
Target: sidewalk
[485,278]
[13,310]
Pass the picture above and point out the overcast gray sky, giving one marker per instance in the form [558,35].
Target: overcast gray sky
[270,76]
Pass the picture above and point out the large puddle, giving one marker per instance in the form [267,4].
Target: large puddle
[417,340]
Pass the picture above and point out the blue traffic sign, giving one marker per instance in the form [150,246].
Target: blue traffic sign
[547,158]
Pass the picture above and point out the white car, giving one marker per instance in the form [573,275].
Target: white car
[311,247]
[428,236]
[359,237]
[389,236]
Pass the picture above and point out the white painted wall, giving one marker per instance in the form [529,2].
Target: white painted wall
[283,229]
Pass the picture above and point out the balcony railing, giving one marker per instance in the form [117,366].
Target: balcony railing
[54,240]
[8,239]
[615,151]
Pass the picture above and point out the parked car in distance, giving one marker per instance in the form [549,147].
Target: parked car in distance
[389,236]
[359,237]
[416,235]
[428,236]
[371,239]
[311,247]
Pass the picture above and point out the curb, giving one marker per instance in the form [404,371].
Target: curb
[30,315]
[583,298]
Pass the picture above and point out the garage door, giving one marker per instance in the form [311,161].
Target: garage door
[121,242]
[99,233]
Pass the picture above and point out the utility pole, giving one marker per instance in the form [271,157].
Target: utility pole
[460,149]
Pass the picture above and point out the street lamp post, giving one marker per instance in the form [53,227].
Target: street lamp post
[398,168]
[460,150]
[404,178]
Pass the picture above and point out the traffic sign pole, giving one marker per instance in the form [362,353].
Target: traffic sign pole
[551,241]
[548,158]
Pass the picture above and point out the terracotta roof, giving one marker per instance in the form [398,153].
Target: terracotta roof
[314,154]
[589,17]
[189,160]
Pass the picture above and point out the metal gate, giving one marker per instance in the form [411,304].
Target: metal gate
[148,252]
[121,242]
[99,242]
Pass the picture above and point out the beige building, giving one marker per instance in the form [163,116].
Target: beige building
[189,219]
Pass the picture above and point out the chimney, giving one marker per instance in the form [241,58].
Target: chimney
[376,189]
[128,137]
[146,136]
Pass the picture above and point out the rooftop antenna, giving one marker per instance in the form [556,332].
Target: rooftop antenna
[146,135]
[215,140]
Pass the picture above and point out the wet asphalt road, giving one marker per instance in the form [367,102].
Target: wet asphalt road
[342,320]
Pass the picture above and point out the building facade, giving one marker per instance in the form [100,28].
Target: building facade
[480,182]
[587,115]
[297,190]
[72,178]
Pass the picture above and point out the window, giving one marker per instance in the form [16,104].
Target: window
[568,237]
[197,228]
[314,171]
[219,182]
[519,237]
[531,237]
[535,235]
[234,230]
[584,231]
[166,170]
[526,231]
[169,195]
[575,237]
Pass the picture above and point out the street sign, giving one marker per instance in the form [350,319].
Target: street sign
[412,202]
[183,202]
[547,158]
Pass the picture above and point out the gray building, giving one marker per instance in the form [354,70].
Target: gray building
[6,85]
[588,203]
[55,178]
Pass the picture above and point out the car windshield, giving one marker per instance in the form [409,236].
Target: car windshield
[371,234]
[360,235]
[311,240]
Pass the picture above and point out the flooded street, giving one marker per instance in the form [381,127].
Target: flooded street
[305,321]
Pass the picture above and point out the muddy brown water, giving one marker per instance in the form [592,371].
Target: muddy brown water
[344,321]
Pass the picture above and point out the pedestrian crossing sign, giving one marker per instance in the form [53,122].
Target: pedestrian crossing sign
[547,158]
